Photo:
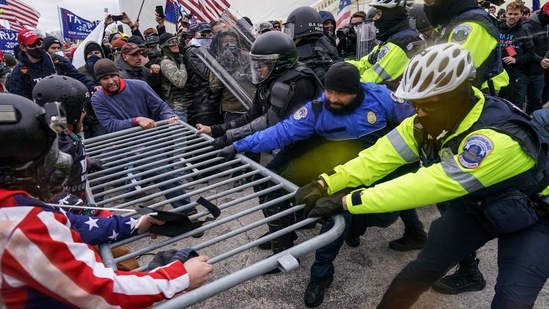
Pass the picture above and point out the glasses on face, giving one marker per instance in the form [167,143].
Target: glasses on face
[173,42]
[36,44]
[429,107]
[276,27]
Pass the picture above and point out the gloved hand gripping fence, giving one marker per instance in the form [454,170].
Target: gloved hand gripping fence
[309,194]
[176,223]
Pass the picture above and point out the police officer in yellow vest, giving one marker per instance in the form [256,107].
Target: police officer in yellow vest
[462,22]
[463,139]
[465,23]
[398,43]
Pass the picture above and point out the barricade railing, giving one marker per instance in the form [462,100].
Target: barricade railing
[171,164]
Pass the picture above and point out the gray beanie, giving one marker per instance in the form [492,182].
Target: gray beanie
[104,67]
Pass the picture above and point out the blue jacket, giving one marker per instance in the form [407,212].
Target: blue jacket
[22,83]
[380,110]
[135,98]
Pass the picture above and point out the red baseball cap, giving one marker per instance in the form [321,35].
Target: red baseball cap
[27,37]
[1,55]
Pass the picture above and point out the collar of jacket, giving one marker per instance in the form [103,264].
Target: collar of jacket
[472,117]
[122,86]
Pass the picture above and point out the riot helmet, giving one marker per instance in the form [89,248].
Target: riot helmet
[304,22]
[272,54]
[392,3]
[29,157]
[71,93]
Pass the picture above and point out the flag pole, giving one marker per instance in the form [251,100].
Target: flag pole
[60,23]
[141,8]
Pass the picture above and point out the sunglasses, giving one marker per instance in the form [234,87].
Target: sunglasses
[428,108]
[36,44]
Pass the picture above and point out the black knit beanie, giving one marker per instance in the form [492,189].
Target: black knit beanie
[92,46]
[49,40]
[343,77]
[104,67]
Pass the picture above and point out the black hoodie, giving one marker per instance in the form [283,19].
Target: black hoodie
[540,38]
[521,41]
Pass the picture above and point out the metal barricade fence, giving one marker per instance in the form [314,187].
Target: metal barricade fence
[172,165]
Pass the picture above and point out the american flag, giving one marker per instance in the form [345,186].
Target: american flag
[205,10]
[343,13]
[18,14]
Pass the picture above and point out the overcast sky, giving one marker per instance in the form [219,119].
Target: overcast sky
[87,9]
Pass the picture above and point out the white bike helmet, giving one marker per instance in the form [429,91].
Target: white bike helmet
[407,4]
[438,69]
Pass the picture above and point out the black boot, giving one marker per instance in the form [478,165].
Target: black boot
[314,294]
[267,245]
[353,241]
[466,278]
[411,240]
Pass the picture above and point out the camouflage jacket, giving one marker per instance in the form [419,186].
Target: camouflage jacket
[174,79]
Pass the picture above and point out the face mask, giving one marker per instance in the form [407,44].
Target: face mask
[437,11]
[35,53]
[447,117]
[434,123]
[92,60]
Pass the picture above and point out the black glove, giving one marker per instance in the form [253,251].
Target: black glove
[327,206]
[220,142]
[94,165]
[228,152]
[308,195]
[166,257]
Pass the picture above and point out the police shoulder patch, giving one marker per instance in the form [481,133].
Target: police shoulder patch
[476,148]
[460,33]
[382,52]
[395,98]
[300,113]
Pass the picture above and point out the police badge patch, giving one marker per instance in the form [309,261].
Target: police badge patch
[476,148]
[382,52]
[460,33]
[301,113]
[395,98]
[371,117]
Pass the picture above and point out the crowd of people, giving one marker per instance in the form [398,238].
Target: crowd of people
[403,106]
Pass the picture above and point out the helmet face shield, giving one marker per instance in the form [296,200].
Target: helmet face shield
[54,170]
[289,29]
[262,66]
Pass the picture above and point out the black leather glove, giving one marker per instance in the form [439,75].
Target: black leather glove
[94,165]
[228,152]
[220,142]
[327,206]
[308,195]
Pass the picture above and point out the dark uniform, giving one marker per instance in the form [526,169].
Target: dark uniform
[304,25]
